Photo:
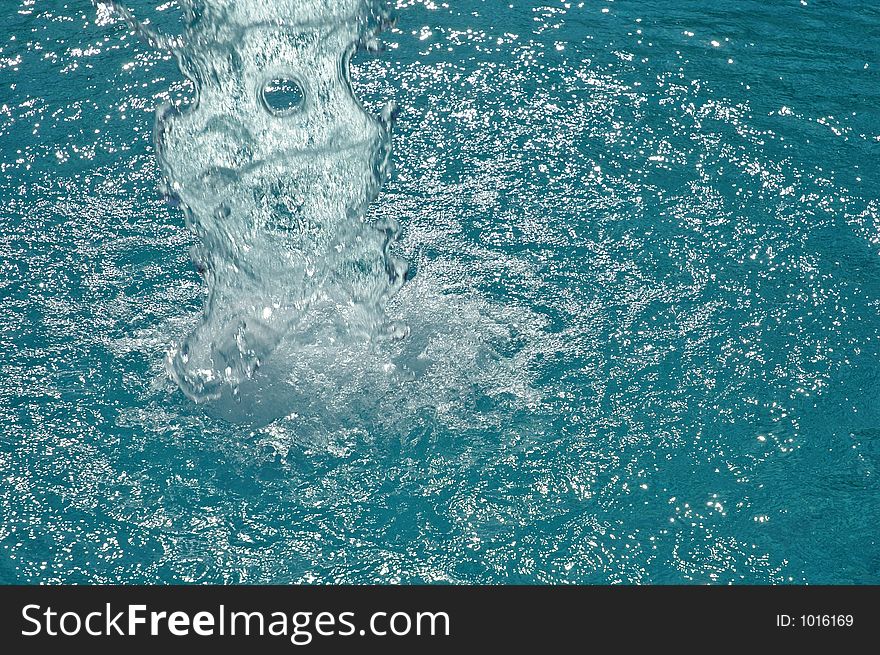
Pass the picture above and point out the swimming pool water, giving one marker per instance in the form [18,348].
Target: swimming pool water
[644,247]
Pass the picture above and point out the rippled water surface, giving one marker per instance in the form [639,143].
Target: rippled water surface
[637,342]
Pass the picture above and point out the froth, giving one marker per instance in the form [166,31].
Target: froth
[277,198]
[294,322]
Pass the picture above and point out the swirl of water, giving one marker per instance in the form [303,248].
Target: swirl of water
[276,195]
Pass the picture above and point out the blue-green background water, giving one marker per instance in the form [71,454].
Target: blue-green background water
[681,198]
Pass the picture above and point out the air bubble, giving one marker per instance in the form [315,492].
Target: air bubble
[283,96]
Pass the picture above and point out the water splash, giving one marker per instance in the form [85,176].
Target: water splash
[277,194]
[275,164]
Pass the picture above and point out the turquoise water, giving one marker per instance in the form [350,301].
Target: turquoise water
[641,316]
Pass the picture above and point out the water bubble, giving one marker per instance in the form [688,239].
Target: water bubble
[283,96]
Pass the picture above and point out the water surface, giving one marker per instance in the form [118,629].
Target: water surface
[642,322]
